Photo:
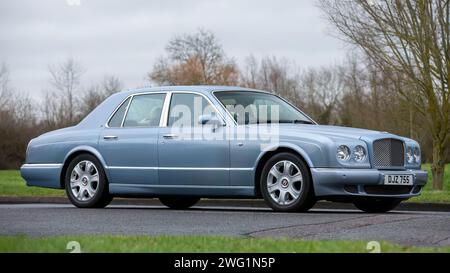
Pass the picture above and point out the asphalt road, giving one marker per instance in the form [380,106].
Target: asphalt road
[406,228]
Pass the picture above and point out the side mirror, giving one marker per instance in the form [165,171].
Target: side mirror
[211,119]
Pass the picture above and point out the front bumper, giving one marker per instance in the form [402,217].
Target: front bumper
[357,182]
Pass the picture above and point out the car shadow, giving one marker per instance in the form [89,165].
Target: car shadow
[246,209]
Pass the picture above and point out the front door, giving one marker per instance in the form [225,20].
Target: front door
[191,153]
[129,145]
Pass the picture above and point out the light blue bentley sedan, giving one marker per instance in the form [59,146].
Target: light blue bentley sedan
[183,143]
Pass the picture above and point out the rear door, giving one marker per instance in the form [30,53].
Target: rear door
[129,142]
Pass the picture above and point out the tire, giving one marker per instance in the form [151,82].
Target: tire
[377,205]
[291,188]
[178,202]
[86,184]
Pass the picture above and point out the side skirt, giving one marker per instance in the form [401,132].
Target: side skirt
[181,190]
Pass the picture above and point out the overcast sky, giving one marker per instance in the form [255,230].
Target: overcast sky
[124,38]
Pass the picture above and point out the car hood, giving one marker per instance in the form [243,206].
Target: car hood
[335,132]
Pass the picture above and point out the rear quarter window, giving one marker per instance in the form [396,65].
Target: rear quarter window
[116,119]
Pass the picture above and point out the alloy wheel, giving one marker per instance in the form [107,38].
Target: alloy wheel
[84,180]
[284,182]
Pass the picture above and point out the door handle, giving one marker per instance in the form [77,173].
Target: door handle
[170,136]
[110,137]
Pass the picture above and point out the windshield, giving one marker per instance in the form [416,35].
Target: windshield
[248,107]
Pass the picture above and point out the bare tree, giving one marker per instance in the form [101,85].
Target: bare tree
[194,59]
[97,93]
[276,75]
[52,111]
[410,38]
[111,84]
[62,100]
[273,74]
[17,124]
[322,89]
[353,105]
[249,75]
[5,91]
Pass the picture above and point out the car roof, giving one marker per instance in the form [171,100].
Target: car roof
[197,88]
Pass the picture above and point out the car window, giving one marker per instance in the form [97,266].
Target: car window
[248,107]
[186,109]
[145,111]
[116,119]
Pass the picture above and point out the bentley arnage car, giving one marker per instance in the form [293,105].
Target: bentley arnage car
[183,143]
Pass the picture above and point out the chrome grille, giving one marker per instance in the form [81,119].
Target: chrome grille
[388,152]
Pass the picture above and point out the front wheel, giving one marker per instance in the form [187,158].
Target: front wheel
[86,184]
[178,202]
[286,184]
[378,205]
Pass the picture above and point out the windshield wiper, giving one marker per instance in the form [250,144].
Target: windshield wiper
[296,121]
[302,121]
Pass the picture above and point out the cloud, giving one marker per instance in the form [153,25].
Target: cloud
[125,37]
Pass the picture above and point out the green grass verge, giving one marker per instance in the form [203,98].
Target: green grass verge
[430,196]
[208,244]
[11,184]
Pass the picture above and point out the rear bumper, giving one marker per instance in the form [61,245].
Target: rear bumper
[357,182]
[42,175]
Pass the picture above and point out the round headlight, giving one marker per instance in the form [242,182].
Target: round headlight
[417,154]
[343,153]
[409,155]
[359,153]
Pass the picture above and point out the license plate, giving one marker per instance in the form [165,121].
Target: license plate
[398,179]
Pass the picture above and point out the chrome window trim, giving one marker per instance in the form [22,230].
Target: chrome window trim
[195,93]
[165,110]
[143,94]
[131,96]
[257,91]
[114,112]
[223,106]
[126,111]
[165,113]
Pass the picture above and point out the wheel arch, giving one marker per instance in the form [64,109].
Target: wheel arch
[76,152]
[265,156]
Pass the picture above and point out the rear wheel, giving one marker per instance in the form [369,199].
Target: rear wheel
[377,205]
[286,184]
[178,202]
[86,184]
